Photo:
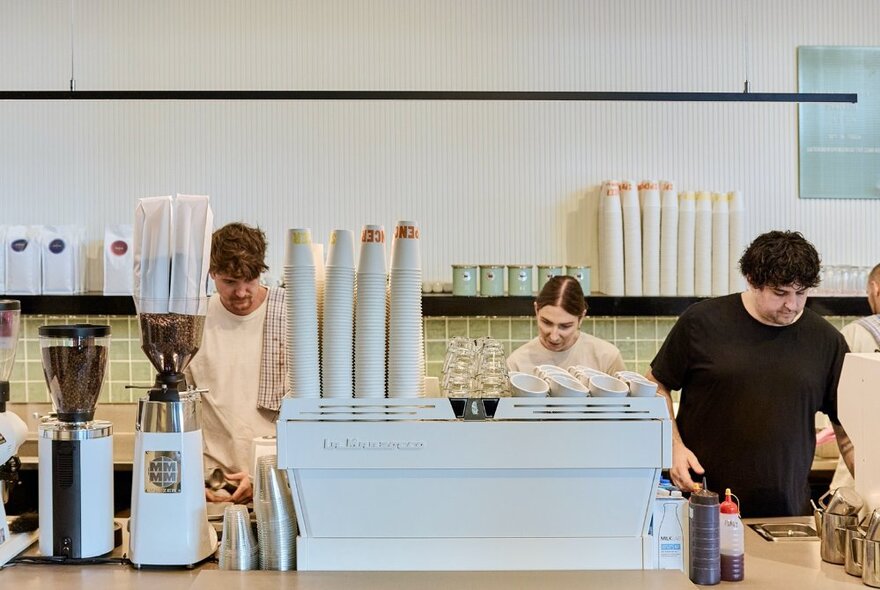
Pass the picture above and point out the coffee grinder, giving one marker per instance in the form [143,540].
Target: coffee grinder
[13,430]
[169,519]
[76,451]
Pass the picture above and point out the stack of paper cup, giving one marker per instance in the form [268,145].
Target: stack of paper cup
[649,194]
[318,259]
[668,239]
[302,315]
[611,250]
[632,238]
[337,336]
[370,314]
[406,353]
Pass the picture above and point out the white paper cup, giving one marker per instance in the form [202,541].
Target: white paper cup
[298,248]
[341,251]
[405,246]
[372,254]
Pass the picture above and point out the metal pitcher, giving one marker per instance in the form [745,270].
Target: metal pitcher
[854,550]
[871,564]
[831,529]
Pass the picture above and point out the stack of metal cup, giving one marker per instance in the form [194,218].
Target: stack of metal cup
[238,548]
[276,519]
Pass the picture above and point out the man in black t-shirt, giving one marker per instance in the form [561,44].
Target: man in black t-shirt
[753,369]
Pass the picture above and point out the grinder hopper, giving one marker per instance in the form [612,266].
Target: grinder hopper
[170,341]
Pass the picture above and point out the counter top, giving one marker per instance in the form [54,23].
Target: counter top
[768,566]
[442,304]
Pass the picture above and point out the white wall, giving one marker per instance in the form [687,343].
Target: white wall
[488,182]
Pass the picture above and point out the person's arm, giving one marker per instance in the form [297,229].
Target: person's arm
[683,459]
[847,451]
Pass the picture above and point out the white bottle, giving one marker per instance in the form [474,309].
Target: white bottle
[671,538]
[732,540]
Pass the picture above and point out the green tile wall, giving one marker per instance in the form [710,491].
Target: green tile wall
[638,339]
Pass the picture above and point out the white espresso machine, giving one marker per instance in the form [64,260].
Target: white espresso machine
[13,430]
[532,484]
[858,407]
[169,519]
[75,450]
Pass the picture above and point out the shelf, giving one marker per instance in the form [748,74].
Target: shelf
[603,305]
[448,305]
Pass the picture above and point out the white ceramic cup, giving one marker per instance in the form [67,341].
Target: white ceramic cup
[563,385]
[608,386]
[525,385]
[642,387]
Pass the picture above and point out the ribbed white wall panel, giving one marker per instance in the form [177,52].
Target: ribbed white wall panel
[492,182]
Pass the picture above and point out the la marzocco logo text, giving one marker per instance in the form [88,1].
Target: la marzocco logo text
[354,444]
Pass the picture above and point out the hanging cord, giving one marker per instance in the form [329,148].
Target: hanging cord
[72,77]
[746,48]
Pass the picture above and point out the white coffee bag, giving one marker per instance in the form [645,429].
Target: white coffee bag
[152,254]
[118,271]
[23,267]
[3,259]
[59,251]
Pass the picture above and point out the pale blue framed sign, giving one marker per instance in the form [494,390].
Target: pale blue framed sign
[839,143]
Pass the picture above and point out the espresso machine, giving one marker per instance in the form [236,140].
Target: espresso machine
[13,430]
[76,451]
[169,519]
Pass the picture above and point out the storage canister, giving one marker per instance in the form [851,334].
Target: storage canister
[519,280]
[491,280]
[547,272]
[582,275]
[464,279]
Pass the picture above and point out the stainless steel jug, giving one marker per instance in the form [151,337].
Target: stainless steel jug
[854,548]
[831,529]
[871,564]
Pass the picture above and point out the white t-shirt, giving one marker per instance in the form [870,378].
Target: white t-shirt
[228,365]
[588,351]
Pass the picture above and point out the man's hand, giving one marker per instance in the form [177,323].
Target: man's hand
[245,491]
[683,460]
[216,495]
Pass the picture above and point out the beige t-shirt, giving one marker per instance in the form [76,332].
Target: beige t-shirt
[228,365]
[588,351]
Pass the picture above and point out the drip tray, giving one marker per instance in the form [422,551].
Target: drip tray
[785,531]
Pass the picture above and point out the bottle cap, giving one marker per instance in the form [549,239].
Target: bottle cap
[729,506]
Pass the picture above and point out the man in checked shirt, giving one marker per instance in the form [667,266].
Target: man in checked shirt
[242,361]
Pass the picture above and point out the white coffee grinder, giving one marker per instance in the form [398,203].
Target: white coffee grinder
[13,430]
[76,451]
[169,519]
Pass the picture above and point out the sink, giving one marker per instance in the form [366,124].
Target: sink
[786,531]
